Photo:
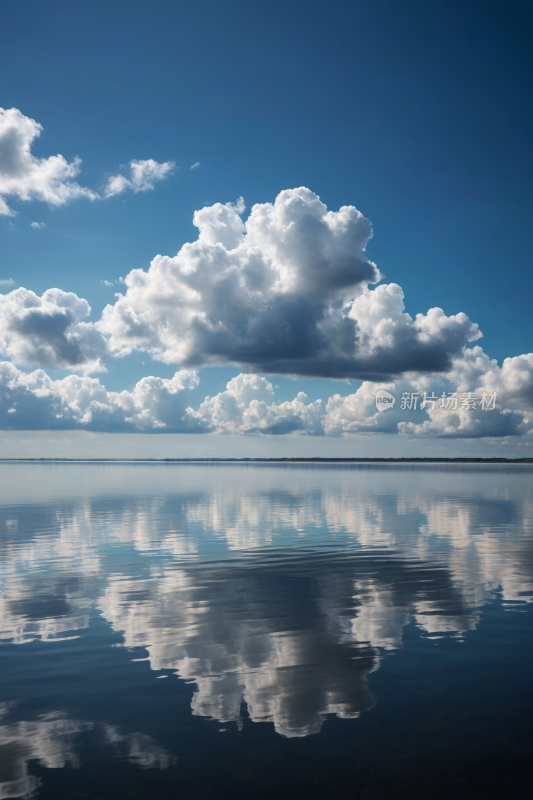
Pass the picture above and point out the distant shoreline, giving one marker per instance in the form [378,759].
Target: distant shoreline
[287,460]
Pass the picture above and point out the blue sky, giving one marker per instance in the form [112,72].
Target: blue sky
[418,114]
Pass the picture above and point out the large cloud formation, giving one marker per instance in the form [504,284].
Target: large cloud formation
[23,175]
[158,405]
[33,401]
[285,292]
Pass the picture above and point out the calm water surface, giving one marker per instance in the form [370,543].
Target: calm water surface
[210,630]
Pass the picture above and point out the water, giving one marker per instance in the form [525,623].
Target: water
[211,630]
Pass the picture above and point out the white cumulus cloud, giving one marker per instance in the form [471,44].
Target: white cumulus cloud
[50,331]
[472,373]
[247,407]
[26,177]
[143,175]
[285,292]
[35,401]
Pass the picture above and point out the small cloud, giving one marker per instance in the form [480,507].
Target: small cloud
[112,283]
[26,177]
[143,176]
[195,165]
[37,224]
[8,282]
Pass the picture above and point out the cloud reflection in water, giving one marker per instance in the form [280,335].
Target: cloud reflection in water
[277,590]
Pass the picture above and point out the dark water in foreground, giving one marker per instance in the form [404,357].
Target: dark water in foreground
[208,630]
